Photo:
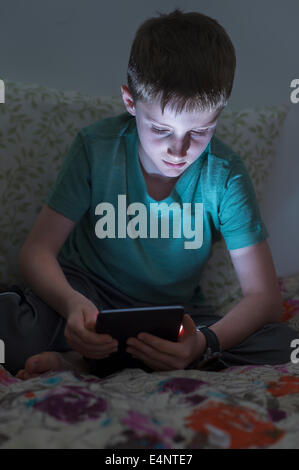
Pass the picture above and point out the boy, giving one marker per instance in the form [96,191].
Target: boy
[180,76]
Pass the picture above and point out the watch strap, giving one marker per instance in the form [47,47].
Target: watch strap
[212,340]
[212,352]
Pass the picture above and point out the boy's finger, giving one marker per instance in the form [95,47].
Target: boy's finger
[88,349]
[152,360]
[79,328]
[90,319]
[163,345]
[89,337]
[90,326]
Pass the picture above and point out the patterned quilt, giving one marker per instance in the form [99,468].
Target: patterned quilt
[183,409]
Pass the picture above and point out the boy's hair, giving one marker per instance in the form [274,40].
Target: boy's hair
[184,60]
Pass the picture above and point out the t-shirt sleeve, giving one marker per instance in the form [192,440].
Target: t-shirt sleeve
[71,193]
[240,220]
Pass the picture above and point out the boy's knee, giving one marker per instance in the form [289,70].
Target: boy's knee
[283,336]
[271,344]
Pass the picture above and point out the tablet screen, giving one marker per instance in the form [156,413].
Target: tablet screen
[162,321]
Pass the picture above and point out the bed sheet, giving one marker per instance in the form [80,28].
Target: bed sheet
[133,409]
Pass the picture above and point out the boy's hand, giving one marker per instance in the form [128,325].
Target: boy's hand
[160,354]
[80,330]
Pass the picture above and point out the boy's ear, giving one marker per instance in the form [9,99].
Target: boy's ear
[128,100]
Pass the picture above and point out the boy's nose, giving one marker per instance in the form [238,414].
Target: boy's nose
[178,148]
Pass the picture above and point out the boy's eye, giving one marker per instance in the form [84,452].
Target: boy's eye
[200,134]
[164,131]
[159,131]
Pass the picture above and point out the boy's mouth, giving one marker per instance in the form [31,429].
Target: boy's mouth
[174,165]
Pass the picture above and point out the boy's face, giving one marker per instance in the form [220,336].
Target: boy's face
[169,138]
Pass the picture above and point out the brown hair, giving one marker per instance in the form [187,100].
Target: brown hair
[185,60]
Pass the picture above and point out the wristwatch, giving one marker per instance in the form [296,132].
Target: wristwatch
[212,352]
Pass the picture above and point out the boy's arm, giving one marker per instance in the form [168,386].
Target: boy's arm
[262,302]
[39,266]
[37,260]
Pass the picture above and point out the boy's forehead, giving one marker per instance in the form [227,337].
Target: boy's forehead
[153,112]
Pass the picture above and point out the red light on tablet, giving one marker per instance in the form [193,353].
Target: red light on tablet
[181,331]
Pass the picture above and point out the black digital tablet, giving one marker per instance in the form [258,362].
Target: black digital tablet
[121,324]
[124,323]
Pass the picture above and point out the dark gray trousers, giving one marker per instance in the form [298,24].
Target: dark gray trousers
[29,326]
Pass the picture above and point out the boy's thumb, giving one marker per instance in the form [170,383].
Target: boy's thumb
[90,319]
[188,325]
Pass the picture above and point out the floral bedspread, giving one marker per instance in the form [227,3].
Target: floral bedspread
[132,409]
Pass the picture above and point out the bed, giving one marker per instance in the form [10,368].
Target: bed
[238,408]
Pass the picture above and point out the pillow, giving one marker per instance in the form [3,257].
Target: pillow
[280,206]
[37,126]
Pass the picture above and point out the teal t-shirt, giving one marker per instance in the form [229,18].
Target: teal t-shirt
[119,233]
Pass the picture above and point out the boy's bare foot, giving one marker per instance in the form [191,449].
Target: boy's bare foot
[52,360]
